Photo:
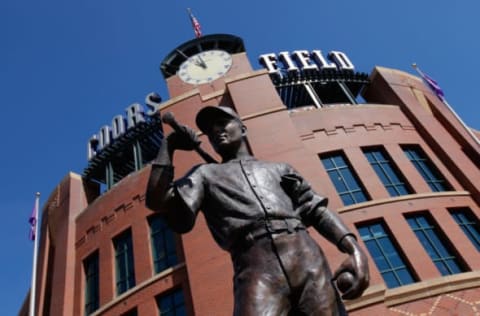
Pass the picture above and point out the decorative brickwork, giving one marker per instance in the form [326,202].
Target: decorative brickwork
[363,127]
[464,303]
[107,219]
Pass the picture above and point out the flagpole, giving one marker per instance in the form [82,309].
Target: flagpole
[195,24]
[469,131]
[35,255]
[463,124]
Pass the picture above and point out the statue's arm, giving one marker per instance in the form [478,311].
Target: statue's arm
[161,194]
[159,187]
[357,264]
[314,212]
[329,225]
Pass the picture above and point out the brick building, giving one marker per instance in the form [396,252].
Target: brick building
[396,164]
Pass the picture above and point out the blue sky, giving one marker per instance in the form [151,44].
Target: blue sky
[67,67]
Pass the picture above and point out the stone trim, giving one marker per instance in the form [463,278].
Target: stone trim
[179,98]
[359,206]
[433,287]
[119,299]
[379,294]
[247,75]
[373,295]
[212,95]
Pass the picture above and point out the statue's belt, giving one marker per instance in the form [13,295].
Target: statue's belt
[267,228]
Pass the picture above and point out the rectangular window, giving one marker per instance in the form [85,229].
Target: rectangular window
[163,244]
[124,267]
[426,168]
[468,223]
[172,304]
[346,182]
[132,312]
[91,270]
[386,170]
[387,257]
[435,244]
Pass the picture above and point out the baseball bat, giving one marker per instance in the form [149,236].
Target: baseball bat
[169,119]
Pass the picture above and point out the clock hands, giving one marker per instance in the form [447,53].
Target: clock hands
[200,62]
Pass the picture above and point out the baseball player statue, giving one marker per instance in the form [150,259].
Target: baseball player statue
[259,212]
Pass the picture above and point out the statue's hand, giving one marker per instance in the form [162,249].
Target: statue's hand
[183,139]
[357,265]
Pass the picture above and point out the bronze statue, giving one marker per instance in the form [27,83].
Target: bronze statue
[258,211]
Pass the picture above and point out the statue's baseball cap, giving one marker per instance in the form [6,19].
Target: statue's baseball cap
[209,114]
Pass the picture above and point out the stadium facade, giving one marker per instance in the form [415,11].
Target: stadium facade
[396,163]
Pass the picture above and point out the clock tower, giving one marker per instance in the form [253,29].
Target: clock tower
[204,63]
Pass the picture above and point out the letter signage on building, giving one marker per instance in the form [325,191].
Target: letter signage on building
[303,60]
[135,115]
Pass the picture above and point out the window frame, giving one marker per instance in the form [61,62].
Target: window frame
[436,243]
[166,237]
[387,170]
[393,268]
[124,269]
[345,174]
[175,308]
[471,228]
[131,312]
[430,173]
[92,281]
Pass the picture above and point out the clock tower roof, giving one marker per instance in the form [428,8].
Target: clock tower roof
[226,42]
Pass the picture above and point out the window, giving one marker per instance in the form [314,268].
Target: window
[318,88]
[91,270]
[426,168]
[124,268]
[388,173]
[468,223]
[387,257]
[172,304]
[163,244]
[344,179]
[435,244]
[132,312]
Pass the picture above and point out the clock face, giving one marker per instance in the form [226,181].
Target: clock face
[205,67]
